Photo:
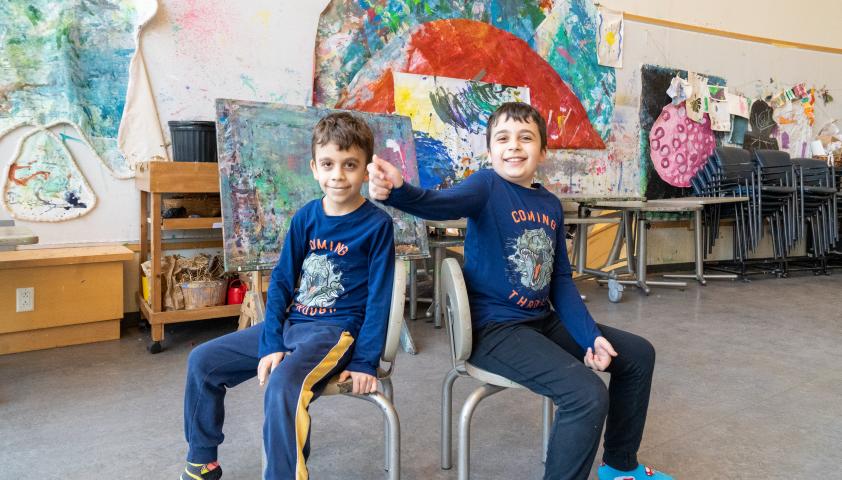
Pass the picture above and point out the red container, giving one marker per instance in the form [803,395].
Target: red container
[236,292]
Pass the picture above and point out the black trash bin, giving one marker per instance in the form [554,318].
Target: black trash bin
[193,141]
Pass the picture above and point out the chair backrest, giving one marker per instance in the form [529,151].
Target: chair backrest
[735,163]
[393,330]
[457,310]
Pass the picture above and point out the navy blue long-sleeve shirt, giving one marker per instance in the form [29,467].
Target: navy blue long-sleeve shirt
[347,265]
[515,252]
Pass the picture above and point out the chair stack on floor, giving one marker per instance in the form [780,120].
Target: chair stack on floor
[796,199]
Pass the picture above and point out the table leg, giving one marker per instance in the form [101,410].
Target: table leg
[698,243]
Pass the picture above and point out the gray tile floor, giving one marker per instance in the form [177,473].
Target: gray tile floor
[747,386]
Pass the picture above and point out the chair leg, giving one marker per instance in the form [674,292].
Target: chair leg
[547,417]
[393,426]
[471,403]
[447,418]
[389,393]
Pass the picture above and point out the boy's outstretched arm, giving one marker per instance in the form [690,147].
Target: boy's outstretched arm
[368,346]
[464,200]
[571,309]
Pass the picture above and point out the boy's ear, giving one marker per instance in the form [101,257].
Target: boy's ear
[314,169]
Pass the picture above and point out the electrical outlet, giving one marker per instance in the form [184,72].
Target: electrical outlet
[25,299]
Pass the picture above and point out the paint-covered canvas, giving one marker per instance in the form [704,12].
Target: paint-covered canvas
[359,44]
[449,119]
[264,157]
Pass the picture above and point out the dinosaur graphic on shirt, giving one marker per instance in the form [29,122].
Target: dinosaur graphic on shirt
[532,259]
[320,282]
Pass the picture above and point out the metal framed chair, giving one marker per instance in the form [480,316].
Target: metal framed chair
[458,319]
[384,399]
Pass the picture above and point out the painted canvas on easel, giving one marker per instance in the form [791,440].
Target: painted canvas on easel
[449,117]
[265,177]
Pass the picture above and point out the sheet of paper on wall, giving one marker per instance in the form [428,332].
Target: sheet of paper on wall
[794,133]
[679,90]
[720,119]
[739,125]
[697,103]
[800,90]
[609,38]
[718,92]
[738,105]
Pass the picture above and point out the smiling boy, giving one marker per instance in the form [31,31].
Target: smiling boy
[516,268]
[341,247]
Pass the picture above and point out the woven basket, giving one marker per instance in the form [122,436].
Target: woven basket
[203,294]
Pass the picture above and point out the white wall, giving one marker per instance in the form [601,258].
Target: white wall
[811,22]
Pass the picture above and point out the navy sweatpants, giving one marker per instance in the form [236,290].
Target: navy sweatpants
[542,356]
[319,352]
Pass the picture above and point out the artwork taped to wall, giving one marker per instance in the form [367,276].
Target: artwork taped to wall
[609,38]
[264,157]
[655,81]
[66,64]
[794,132]
[762,123]
[43,181]
[449,120]
[360,44]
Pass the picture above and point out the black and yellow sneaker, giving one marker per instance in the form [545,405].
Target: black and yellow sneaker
[200,471]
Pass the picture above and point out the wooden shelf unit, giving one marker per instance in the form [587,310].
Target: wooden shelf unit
[154,179]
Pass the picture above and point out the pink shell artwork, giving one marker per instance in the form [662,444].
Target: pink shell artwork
[679,147]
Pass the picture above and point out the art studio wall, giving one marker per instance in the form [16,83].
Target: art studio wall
[196,51]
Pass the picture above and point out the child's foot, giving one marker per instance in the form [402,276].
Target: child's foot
[642,472]
[202,471]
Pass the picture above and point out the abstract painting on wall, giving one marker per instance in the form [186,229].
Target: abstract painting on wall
[609,38]
[655,81]
[265,177]
[449,118]
[360,44]
[62,63]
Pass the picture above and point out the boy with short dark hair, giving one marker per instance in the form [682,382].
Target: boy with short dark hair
[342,248]
[516,268]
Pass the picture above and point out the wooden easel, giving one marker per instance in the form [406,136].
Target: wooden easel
[253,310]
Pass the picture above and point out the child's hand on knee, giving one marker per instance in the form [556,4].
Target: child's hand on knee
[363,382]
[267,365]
[382,178]
[599,357]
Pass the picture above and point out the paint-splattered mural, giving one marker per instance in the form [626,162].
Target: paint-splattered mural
[264,157]
[363,42]
[655,81]
[64,62]
[449,119]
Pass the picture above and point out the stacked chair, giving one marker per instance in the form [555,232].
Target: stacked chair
[796,200]
[818,207]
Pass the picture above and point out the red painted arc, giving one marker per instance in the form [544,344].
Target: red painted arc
[462,48]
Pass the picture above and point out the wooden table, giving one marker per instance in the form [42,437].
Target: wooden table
[698,243]
[11,237]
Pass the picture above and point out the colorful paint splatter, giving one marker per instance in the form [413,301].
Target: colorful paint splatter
[264,156]
[351,33]
[449,119]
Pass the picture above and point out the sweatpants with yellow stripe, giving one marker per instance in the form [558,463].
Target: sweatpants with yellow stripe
[319,351]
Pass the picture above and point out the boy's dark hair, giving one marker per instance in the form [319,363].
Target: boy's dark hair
[346,131]
[521,112]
